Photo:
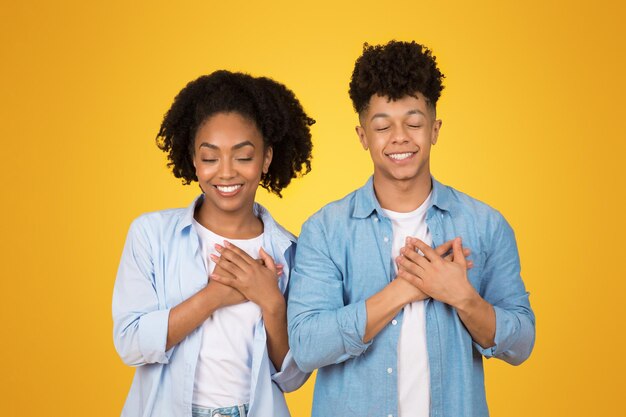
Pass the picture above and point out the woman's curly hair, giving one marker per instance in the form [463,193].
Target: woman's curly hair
[274,109]
[395,70]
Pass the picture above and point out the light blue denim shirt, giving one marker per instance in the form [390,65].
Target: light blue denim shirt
[162,266]
[344,257]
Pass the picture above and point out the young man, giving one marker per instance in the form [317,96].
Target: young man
[396,328]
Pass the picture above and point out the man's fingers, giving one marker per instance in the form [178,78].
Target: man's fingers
[444,248]
[428,252]
[412,279]
[457,248]
[410,255]
[415,267]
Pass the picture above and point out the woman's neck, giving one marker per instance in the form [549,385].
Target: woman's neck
[232,225]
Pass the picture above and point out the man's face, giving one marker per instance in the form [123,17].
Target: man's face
[399,135]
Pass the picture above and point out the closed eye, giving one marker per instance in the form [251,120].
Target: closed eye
[382,129]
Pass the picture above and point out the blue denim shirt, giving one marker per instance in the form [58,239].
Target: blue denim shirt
[344,257]
[162,266]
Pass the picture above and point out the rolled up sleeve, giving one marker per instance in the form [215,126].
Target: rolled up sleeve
[504,289]
[322,329]
[139,325]
[290,377]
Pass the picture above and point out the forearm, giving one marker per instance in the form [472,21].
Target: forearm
[479,318]
[382,307]
[190,314]
[275,320]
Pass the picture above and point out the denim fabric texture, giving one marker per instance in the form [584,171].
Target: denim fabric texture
[344,257]
[235,411]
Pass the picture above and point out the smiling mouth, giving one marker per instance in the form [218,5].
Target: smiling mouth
[228,189]
[400,156]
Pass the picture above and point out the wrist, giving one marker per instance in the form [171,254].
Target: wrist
[276,306]
[399,292]
[469,301]
[209,299]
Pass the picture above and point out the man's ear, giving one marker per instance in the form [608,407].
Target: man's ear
[267,159]
[435,133]
[362,137]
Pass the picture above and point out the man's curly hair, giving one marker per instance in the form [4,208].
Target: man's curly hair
[395,70]
[274,109]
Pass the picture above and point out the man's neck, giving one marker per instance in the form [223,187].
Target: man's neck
[402,196]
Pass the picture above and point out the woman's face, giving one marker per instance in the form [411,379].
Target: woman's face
[229,157]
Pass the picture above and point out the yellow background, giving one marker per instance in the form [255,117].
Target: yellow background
[533,114]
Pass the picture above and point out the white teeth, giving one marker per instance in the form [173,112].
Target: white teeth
[400,156]
[228,188]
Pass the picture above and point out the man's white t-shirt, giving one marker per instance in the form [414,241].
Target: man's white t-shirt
[413,369]
[223,371]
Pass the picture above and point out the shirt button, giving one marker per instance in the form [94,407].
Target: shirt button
[389,415]
[394,322]
[375,219]
[386,239]
[389,370]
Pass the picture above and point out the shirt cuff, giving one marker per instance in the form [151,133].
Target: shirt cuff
[153,336]
[290,377]
[507,324]
[352,320]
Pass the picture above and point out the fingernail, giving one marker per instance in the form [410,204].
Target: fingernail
[214,258]
[227,244]
[218,247]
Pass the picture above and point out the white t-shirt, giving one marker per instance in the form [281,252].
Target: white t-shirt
[223,371]
[413,369]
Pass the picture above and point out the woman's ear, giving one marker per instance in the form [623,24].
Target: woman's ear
[267,159]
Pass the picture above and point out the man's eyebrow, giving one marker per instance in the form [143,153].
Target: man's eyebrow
[410,112]
[377,115]
[415,111]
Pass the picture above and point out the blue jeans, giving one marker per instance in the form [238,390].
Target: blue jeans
[236,411]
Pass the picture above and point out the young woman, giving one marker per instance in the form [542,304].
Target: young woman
[199,301]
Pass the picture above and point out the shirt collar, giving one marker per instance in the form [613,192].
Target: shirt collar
[187,218]
[366,202]
[442,196]
[270,226]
